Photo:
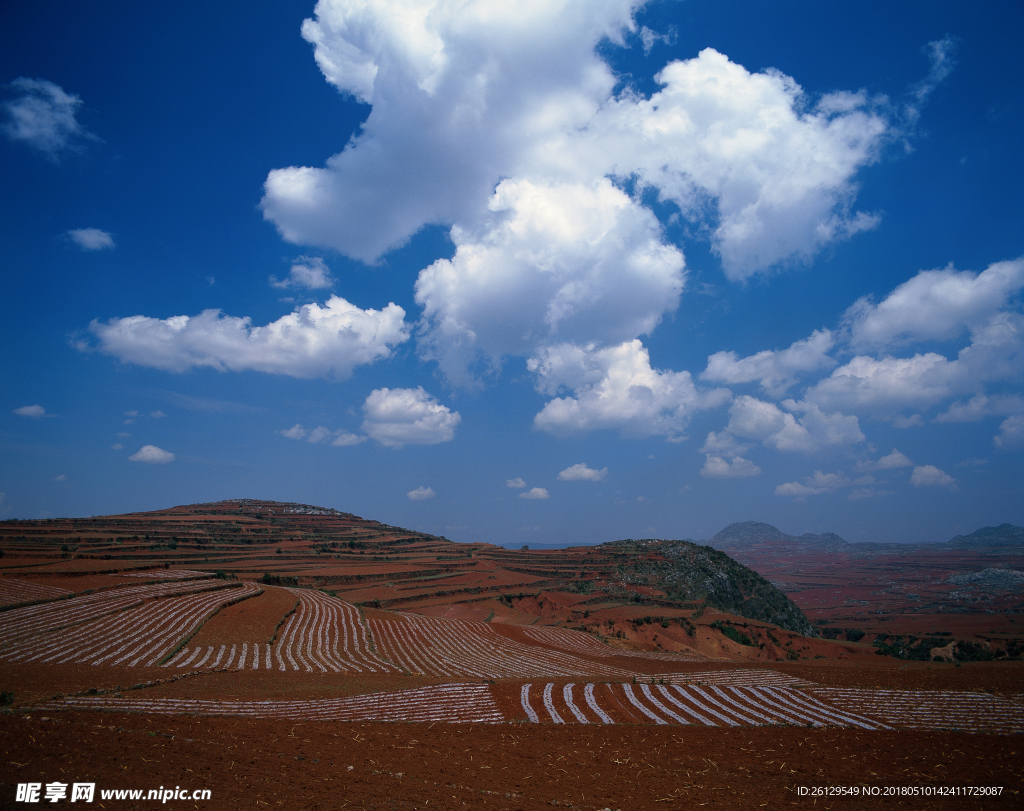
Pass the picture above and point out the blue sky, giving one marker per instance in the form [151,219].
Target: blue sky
[558,273]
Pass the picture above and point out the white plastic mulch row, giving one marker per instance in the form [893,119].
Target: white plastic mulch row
[737,678]
[138,636]
[255,656]
[631,703]
[166,574]
[326,634]
[23,591]
[932,709]
[579,642]
[20,623]
[441,647]
[676,704]
[453,703]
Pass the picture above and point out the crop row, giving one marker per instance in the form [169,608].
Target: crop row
[452,703]
[329,634]
[744,677]
[932,709]
[579,642]
[444,647]
[675,704]
[37,619]
[20,591]
[238,657]
[609,703]
[167,574]
[138,636]
[326,634]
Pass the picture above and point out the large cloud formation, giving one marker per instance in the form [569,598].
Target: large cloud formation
[501,121]
[466,93]
[933,306]
[553,263]
[893,371]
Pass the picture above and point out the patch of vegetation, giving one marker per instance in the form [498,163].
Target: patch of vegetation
[689,572]
[919,649]
[278,580]
[732,633]
[6,698]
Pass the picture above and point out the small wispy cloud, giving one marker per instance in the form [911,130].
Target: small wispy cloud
[91,239]
[310,272]
[42,116]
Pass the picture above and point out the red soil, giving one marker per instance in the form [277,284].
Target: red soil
[247,763]
[252,620]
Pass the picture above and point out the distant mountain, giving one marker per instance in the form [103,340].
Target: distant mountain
[748,536]
[989,537]
[745,534]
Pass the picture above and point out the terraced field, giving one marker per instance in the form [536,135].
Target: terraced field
[342,619]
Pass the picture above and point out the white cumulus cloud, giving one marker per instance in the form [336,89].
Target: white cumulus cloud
[820,483]
[516,483]
[397,417]
[887,385]
[931,476]
[535,493]
[715,467]
[582,473]
[421,493]
[464,94]
[935,305]
[892,461]
[1011,433]
[313,341]
[615,388]
[151,454]
[43,116]
[750,418]
[461,93]
[551,263]
[91,239]
[776,370]
[310,272]
[34,411]
[981,406]
[776,171]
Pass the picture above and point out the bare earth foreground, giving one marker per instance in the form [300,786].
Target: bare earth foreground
[333,662]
